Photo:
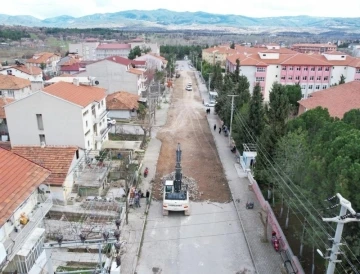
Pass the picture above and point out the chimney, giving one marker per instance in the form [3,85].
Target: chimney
[42,144]
[76,81]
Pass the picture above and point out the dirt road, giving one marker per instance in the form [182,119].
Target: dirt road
[187,125]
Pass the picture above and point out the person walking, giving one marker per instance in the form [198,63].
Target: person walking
[137,200]
[214,127]
[209,110]
[147,195]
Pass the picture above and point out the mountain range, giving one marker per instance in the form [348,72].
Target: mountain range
[166,19]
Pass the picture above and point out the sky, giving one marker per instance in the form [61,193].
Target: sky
[255,8]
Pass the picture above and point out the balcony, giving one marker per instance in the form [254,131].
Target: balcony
[98,117]
[15,240]
[103,132]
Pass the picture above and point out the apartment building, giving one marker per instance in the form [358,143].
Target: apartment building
[313,48]
[24,203]
[313,72]
[87,50]
[33,74]
[113,49]
[62,114]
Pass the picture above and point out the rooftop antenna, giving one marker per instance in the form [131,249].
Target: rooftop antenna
[178,171]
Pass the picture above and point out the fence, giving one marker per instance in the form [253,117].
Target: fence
[291,262]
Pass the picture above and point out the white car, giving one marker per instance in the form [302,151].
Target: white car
[111,121]
[188,88]
[210,104]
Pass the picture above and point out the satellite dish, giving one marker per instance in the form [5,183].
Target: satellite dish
[43,188]
[96,82]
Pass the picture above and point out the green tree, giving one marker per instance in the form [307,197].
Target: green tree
[256,112]
[42,66]
[342,79]
[134,52]
[236,73]
[242,89]
[352,118]
[216,78]
[294,95]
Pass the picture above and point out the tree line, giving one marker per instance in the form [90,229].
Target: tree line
[14,35]
[301,160]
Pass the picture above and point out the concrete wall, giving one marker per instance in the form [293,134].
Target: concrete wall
[336,72]
[120,114]
[112,76]
[272,76]
[63,122]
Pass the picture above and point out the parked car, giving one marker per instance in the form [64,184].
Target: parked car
[93,198]
[210,104]
[111,121]
[189,84]
[188,88]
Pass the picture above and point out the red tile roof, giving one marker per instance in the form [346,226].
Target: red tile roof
[4,101]
[122,100]
[114,46]
[19,179]
[31,71]
[13,83]
[338,100]
[80,95]
[314,45]
[72,67]
[5,145]
[42,57]
[57,159]
[136,71]
[305,59]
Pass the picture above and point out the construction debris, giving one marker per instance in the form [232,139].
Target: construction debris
[193,188]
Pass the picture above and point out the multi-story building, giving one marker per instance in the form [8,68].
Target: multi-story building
[87,50]
[118,74]
[312,72]
[46,61]
[63,114]
[14,87]
[33,74]
[217,54]
[24,203]
[113,49]
[313,48]
[153,61]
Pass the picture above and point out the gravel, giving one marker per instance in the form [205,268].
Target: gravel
[193,189]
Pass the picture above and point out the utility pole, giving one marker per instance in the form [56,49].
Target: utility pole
[209,80]
[231,117]
[340,220]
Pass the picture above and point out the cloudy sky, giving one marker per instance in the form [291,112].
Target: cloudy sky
[257,8]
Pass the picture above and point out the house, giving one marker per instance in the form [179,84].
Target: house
[113,49]
[153,62]
[60,161]
[14,87]
[85,49]
[4,133]
[313,72]
[71,67]
[46,61]
[338,99]
[314,48]
[122,105]
[33,74]
[24,202]
[63,114]
[118,73]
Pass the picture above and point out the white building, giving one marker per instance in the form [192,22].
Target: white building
[47,59]
[108,50]
[87,50]
[63,114]
[154,47]
[60,161]
[33,74]
[14,87]
[153,62]
[117,73]
[23,208]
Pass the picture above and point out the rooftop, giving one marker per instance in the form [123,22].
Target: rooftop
[81,95]
[338,100]
[11,82]
[31,71]
[122,100]
[4,101]
[41,57]
[19,179]
[57,159]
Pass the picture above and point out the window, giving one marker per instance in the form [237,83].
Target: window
[326,78]
[297,77]
[282,77]
[327,69]
[42,139]
[86,123]
[99,106]
[325,87]
[357,70]
[102,103]
[11,93]
[290,78]
[304,78]
[39,121]
[86,113]
[317,86]
[319,68]
[88,143]
[260,79]
[313,69]
[310,87]
[318,78]
[291,68]
[305,69]
[87,132]
[260,69]
[9,72]
[264,54]
[283,68]
[311,78]
[303,87]
[77,154]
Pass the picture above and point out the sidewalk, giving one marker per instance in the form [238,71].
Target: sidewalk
[265,258]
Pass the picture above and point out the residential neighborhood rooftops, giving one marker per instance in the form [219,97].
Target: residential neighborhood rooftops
[4,101]
[122,100]
[41,57]
[81,95]
[313,45]
[13,83]
[57,159]
[114,46]
[338,100]
[19,178]
[31,71]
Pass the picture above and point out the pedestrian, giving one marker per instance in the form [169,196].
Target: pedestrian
[147,195]
[219,130]
[214,127]
[209,110]
[137,200]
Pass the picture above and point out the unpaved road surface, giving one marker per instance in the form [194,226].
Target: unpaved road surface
[187,125]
